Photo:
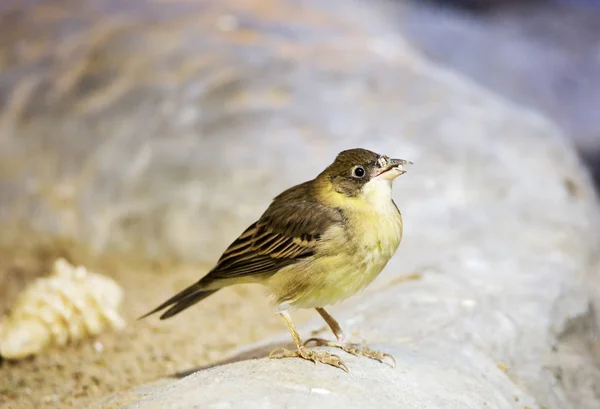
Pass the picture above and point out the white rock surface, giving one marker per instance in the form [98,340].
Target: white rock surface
[427,377]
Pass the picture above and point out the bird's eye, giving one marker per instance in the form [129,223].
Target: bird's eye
[358,172]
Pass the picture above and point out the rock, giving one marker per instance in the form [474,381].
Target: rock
[161,130]
[165,136]
[428,377]
[524,50]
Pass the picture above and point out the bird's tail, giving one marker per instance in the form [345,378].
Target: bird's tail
[182,300]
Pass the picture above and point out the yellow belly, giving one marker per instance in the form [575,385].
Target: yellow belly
[342,266]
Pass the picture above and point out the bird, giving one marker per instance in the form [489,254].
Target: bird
[316,244]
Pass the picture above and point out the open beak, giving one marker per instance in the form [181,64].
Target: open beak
[392,168]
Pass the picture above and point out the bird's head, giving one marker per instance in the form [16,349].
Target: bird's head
[360,173]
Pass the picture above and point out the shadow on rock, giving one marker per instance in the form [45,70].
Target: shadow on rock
[255,353]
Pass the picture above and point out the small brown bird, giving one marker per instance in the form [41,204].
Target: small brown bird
[317,243]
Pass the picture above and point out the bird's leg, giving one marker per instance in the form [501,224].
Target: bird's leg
[344,343]
[304,352]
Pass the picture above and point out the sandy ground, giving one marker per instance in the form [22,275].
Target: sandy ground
[145,350]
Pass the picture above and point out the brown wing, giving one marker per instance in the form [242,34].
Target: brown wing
[286,233]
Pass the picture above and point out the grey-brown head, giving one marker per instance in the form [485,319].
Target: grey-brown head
[354,168]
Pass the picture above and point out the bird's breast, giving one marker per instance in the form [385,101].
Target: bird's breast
[377,237]
[350,259]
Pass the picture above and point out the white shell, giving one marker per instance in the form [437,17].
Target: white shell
[68,305]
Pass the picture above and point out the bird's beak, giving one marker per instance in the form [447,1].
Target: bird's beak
[392,168]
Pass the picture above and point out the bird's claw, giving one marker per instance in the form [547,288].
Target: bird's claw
[354,349]
[310,355]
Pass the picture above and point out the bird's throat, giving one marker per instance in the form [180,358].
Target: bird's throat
[378,193]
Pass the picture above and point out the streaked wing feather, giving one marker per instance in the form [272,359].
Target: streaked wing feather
[263,252]
[286,233]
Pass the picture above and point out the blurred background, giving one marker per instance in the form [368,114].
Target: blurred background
[540,53]
[139,137]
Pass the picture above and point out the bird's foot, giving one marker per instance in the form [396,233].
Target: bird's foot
[310,355]
[354,349]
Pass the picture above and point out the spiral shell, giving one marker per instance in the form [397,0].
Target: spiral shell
[69,305]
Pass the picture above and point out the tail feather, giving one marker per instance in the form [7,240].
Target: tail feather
[186,302]
[182,300]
